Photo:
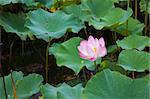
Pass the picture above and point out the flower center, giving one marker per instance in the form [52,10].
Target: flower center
[94,49]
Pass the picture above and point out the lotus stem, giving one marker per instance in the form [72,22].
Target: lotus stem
[145,21]
[128,5]
[10,50]
[85,32]
[96,66]
[13,85]
[133,75]
[136,3]
[46,64]
[84,74]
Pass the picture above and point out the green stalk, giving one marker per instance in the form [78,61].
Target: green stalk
[84,74]
[10,57]
[10,50]
[136,3]
[126,27]
[131,4]
[13,85]
[85,32]
[133,75]
[46,64]
[128,5]
[96,66]
[145,21]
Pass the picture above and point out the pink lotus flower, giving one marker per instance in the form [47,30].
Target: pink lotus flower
[92,49]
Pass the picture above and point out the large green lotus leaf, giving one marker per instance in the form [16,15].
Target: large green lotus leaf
[66,54]
[134,27]
[14,23]
[134,42]
[145,5]
[29,85]
[47,3]
[134,60]
[112,66]
[113,85]
[8,83]
[54,25]
[78,12]
[115,16]
[27,2]
[25,87]
[62,92]
[98,7]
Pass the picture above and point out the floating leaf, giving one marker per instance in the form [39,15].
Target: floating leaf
[134,27]
[66,54]
[62,92]
[54,25]
[14,23]
[25,87]
[113,85]
[115,16]
[134,60]
[134,42]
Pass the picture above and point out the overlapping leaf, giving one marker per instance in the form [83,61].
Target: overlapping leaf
[29,85]
[134,27]
[15,23]
[8,83]
[113,85]
[25,87]
[27,2]
[62,92]
[98,8]
[78,11]
[47,3]
[66,54]
[134,60]
[145,5]
[134,42]
[112,66]
[51,25]
[115,16]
